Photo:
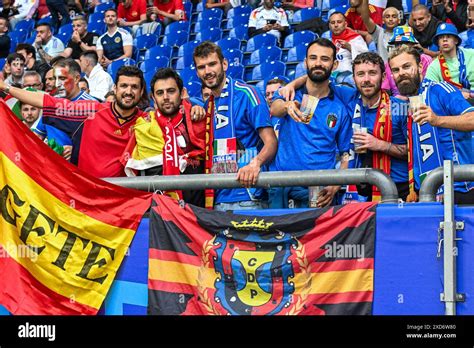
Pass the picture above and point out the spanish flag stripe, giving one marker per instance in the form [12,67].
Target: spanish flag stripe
[35,299]
[85,230]
[327,282]
[168,255]
[341,297]
[65,181]
[180,288]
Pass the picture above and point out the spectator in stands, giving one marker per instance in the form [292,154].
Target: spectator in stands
[29,52]
[38,10]
[81,39]
[205,92]
[384,145]
[353,15]
[67,74]
[308,142]
[454,65]
[5,40]
[424,27]
[9,10]
[271,86]
[32,79]
[131,14]
[47,46]
[152,153]
[381,35]
[76,7]
[451,11]
[242,117]
[403,35]
[116,43]
[17,69]
[29,114]
[348,43]
[84,85]
[23,7]
[100,81]
[225,5]
[445,108]
[100,131]
[168,11]
[295,5]
[49,81]
[268,19]
[57,8]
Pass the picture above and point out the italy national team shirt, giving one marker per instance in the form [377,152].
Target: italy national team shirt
[112,45]
[99,134]
[249,112]
[315,145]
[448,101]
[50,132]
[398,167]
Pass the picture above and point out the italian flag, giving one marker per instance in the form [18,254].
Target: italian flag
[225,146]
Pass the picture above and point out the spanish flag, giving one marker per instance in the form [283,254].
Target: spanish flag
[63,233]
[318,262]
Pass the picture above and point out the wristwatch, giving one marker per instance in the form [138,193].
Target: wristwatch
[7,89]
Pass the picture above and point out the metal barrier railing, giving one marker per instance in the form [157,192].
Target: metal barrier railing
[374,177]
[434,180]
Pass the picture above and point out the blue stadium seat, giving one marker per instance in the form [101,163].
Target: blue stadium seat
[97,27]
[95,17]
[259,41]
[148,77]
[305,14]
[155,63]
[158,30]
[267,70]
[188,74]
[265,55]
[300,70]
[229,43]
[18,36]
[2,62]
[188,9]
[47,19]
[209,34]
[212,12]
[159,51]
[298,53]
[200,6]
[260,86]
[176,39]
[66,28]
[240,32]
[101,8]
[237,11]
[194,89]
[31,39]
[336,3]
[205,23]
[187,49]
[143,43]
[342,9]
[25,24]
[64,37]
[116,65]
[234,56]
[237,20]
[236,71]
[299,37]
[177,26]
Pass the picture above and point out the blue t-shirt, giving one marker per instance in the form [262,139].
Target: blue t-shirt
[446,100]
[50,132]
[398,167]
[249,113]
[315,145]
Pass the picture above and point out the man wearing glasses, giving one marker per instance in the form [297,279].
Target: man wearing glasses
[33,80]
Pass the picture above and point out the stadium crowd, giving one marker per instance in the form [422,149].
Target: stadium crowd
[166,87]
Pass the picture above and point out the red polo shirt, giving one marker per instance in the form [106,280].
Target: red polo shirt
[133,13]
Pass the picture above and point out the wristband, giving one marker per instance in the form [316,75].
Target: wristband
[7,89]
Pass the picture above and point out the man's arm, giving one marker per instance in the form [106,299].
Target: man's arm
[24,96]
[369,142]
[463,122]
[127,53]
[365,14]
[67,52]
[248,175]
[131,24]
[216,4]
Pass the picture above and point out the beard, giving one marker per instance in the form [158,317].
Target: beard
[376,88]
[125,106]
[408,86]
[219,80]
[319,77]
[174,110]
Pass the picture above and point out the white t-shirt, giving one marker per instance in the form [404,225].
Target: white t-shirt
[259,17]
[345,57]
[53,48]
[382,38]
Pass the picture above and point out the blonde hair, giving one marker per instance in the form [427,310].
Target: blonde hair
[408,49]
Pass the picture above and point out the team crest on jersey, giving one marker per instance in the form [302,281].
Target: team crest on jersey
[254,270]
[134,14]
[117,39]
[331,120]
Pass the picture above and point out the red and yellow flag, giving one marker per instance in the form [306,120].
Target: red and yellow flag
[63,233]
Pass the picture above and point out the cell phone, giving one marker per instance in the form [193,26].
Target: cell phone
[271,21]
